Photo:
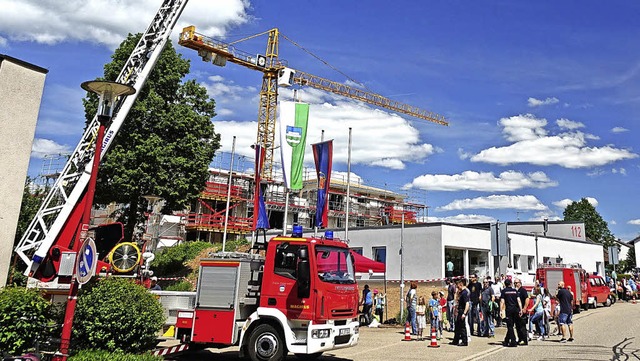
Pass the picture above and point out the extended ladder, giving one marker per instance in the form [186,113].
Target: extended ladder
[69,189]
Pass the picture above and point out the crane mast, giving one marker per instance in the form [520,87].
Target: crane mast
[59,215]
[275,74]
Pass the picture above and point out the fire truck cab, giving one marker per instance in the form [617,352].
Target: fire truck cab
[300,297]
[574,277]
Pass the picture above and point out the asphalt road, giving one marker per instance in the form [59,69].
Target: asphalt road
[606,333]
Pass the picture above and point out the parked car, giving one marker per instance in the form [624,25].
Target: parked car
[598,292]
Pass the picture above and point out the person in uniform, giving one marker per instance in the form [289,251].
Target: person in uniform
[511,309]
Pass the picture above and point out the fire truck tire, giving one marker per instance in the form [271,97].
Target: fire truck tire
[608,302]
[266,344]
[308,356]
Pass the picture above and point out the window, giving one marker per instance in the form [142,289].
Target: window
[334,265]
[286,262]
[531,260]
[380,254]
[357,250]
[516,262]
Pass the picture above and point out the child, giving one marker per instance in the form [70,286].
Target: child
[435,314]
[442,307]
[421,316]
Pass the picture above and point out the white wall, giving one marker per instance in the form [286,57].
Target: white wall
[21,86]
[424,247]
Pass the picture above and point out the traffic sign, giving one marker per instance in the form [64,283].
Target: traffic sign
[87,261]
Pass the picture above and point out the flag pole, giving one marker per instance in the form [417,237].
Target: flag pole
[226,213]
[346,223]
[315,225]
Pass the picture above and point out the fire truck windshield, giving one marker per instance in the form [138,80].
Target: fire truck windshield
[334,265]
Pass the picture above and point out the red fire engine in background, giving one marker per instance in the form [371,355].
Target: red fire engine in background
[300,297]
[575,279]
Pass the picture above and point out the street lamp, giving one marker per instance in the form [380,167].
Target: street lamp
[108,92]
[536,234]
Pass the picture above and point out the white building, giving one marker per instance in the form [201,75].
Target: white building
[427,248]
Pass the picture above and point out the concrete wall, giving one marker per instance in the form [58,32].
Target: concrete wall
[21,86]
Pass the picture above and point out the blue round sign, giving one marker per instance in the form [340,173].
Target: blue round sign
[86,261]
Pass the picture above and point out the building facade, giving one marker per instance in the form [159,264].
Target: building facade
[21,86]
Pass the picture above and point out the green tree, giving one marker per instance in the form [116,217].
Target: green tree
[630,261]
[165,145]
[596,229]
[115,314]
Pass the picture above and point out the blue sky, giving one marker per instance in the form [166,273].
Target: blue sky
[542,97]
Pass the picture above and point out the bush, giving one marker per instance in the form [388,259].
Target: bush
[184,286]
[101,355]
[23,313]
[170,260]
[115,314]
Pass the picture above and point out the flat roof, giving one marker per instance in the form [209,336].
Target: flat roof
[23,63]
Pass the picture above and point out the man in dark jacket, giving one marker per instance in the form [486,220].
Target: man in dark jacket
[522,321]
[511,308]
[460,335]
[474,293]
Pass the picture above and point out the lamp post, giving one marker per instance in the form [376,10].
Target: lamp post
[402,266]
[108,92]
[536,234]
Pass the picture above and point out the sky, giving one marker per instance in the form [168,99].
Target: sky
[542,98]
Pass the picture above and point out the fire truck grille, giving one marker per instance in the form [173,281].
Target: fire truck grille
[339,340]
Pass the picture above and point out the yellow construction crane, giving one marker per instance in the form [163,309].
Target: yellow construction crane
[276,73]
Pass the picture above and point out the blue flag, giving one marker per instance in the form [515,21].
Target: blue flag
[260,218]
[323,156]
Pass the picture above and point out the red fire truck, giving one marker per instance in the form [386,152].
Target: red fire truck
[300,297]
[574,277]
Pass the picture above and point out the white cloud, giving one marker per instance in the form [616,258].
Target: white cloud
[484,181]
[619,130]
[532,145]
[42,147]
[562,204]
[622,171]
[462,219]
[396,140]
[51,22]
[523,127]
[3,42]
[613,222]
[569,124]
[527,202]
[596,172]
[635,222]
[533,102]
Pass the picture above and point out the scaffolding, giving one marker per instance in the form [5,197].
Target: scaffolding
[368,206]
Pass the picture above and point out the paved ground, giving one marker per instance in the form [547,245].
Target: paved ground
[602,334]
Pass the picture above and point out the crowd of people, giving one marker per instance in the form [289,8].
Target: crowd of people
[476,307]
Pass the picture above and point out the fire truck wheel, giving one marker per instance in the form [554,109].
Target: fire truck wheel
[608,302]
[308,356]
[265,344]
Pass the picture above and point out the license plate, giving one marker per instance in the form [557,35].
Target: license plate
[345,331]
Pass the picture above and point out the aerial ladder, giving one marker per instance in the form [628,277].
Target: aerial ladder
[276,73]
[48,246]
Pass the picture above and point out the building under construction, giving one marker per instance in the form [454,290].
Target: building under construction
[367,206]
